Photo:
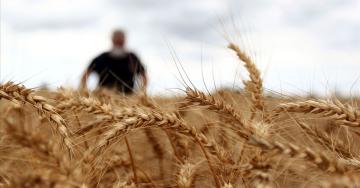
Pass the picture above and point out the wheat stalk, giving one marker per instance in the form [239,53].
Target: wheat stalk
[132,161]
[156,147]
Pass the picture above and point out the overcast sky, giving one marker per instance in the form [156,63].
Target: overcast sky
[301,46]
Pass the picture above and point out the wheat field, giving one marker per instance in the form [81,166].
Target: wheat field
[228,138]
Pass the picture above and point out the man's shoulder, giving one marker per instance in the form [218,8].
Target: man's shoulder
[104,54]
[131,54]
[100,59]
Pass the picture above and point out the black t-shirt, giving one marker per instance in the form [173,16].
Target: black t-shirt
[117,71]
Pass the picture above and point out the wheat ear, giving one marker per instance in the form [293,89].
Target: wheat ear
[138,118]
[186,175]
[255,85]
[347,180]
[342,114]
[319,159]
[133,118]
[18,93]
[325,140]
[259,171]
[194,96]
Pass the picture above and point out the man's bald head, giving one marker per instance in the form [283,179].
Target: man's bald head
[118,38]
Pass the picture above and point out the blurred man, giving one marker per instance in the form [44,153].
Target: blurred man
[117,68]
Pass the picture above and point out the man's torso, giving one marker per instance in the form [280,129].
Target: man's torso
[116,71]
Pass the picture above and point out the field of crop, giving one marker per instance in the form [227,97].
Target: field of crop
[70,138]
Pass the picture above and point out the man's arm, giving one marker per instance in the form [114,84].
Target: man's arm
[93,67]
[141,71]
[144,80]
[84,78]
